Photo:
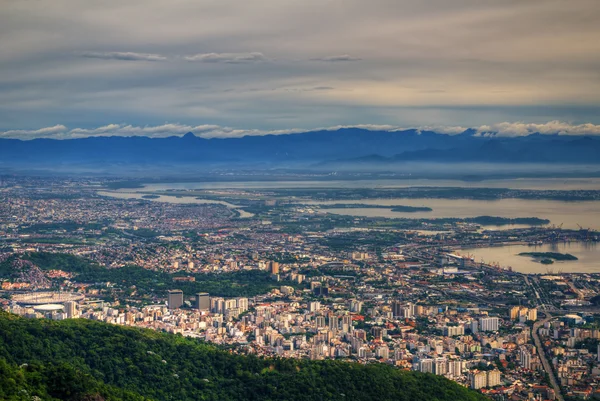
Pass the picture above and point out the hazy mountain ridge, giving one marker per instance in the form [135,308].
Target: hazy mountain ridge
[345,145]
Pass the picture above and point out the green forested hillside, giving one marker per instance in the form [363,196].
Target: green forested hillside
[85,360]
[147,282]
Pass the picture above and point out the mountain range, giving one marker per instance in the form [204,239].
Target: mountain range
[315,148]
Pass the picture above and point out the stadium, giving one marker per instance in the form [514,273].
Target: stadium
[42,298]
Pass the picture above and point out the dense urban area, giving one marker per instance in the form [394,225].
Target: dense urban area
[269,273]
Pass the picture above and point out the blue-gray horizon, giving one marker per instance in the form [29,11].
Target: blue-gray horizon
[77,69]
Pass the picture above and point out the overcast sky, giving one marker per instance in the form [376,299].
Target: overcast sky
[227,68]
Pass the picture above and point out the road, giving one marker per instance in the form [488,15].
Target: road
[542,354]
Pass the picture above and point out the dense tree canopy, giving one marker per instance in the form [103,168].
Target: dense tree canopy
[243,283]
[85,360]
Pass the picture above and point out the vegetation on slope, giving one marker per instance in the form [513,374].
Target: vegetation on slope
[85,360]
[148,282]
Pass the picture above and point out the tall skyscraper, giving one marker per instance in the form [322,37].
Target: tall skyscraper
[175,299]
[203,301]
[274,267]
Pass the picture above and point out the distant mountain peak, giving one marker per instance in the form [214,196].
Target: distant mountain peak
[189,135]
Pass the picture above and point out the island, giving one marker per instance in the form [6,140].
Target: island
[548,258]
[394,208]
[502,221]
[150,196]
[411,209]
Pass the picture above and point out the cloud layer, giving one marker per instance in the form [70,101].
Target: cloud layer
[552,128]
[505,129]
[438,63]
[125,56]
[343,57]
[231,58]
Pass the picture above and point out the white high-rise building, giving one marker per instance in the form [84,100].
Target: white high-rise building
[440,366]
[347,324]
[525,358]
[493,378]
[489,323]
[455,368]
[383,352]
[356,306]
[242,304]
[230,304]
[477,379]
[425,365]
[217,305]
[451,331]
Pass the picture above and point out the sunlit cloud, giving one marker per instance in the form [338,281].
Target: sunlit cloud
[504,129]
[508,129]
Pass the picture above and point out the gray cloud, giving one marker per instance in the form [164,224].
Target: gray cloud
[465,63]
[230,58]
[126,56]
[342,57]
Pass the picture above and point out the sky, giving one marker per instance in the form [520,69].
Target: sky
[72,68]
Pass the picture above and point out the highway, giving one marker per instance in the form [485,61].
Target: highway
[542,354]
